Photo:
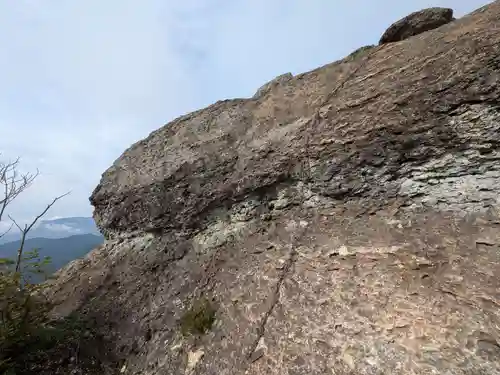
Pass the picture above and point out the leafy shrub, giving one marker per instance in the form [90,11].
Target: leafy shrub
[30,342]
[22,309]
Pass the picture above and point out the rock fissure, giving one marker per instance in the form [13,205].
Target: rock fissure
[287,268]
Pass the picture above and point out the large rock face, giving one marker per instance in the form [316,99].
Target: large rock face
[344,223]
[417,23]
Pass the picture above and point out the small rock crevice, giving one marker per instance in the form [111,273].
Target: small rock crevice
[286,270]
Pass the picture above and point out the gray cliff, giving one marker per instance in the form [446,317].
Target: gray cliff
[345,221]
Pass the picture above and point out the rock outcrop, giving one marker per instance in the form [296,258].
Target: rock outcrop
[417,23]
[344,223]
[278,81]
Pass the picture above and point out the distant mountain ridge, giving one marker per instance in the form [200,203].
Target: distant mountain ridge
[62,239]
[61,250]
[57,228]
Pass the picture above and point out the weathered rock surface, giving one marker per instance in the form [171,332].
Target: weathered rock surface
[344,223]
[417,23]
[278,81]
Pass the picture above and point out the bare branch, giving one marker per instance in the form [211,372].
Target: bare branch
[4,202]
[15,222]
[27,228]
[20,250]
[46,209]
[13,183]
[7,231]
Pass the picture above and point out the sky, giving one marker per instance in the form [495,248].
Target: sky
[82,80]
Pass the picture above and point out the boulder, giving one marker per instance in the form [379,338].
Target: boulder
[345,223]
[417,23]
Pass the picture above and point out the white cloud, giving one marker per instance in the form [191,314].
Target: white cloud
[82,80]
[62,228]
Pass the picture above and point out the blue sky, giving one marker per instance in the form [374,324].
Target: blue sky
[81,80]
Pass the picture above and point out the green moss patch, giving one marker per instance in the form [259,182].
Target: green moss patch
[198,319]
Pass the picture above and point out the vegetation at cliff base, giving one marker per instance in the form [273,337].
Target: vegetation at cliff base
[30,341]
